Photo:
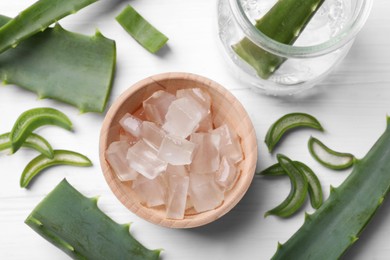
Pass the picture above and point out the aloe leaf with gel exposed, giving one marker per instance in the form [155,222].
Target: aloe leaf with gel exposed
[37,18]
[328,157]
[338,223]
[69,67]
[141,30]
[60,157]
[78,227]
[283,23]
[33,141]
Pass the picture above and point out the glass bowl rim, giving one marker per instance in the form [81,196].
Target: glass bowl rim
[347,34]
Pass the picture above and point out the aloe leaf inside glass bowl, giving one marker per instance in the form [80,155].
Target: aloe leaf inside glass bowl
[286,46]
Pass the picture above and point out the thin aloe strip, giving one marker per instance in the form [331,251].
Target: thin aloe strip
[34,118]
[328,157]
[58,64]
[76,225]
[141,30]
[33,141]
[298,192]
[60,157]
[284,22]
[289,122]
[37,18]
[338,223]
[314,185]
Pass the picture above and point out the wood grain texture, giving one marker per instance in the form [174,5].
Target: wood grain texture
[226,109]
[351,103]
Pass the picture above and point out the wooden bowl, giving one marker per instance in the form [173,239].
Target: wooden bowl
[225,108]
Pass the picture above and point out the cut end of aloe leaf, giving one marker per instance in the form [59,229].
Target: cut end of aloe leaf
[75,224]
[328,157]
[141,30]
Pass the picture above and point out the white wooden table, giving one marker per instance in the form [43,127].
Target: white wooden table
[351,103]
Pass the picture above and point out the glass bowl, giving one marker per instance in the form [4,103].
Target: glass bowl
[323,43]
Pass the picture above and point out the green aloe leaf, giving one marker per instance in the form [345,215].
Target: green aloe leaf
[284,22]
[69,67]
[37,18]
[337,224]
[78,227]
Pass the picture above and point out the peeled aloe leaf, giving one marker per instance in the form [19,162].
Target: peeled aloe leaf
[62,65]
[337,224]
[76,225]
[37,18]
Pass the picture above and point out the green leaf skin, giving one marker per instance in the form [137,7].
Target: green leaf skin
[60,157]
[58,64]
[76,225]
[314,185]
[284,22]
[37,18]
[337,224]
[298,192]
[34,118]
[289,122]
[33,141]
[141,30]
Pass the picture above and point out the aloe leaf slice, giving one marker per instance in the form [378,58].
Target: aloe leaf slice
[284,22]
[289,122]
[298,192]
[31,119]
[328,157]
[141,30]
[33,141]
[37,18]
[60,157]
[337,224]
[78,227]
[314,185]
[62,65]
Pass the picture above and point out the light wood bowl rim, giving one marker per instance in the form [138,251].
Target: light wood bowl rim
[147,213]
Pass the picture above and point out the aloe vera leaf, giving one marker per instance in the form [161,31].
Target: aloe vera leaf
[141,30]
[328,157]
[289,122]
[33,141]
[284,22]
[69,67]
[78,227]
[37,18]
[338,223]
[60,157]
[298,192]
[31,119]
[314,185]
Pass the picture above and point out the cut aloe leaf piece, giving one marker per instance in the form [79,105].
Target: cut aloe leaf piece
[60,157]
[314,185]
[62,65]
[141,30]
[298,192]
[284,22]
[34,118]
[288,122]
[78,227]
[33,141]
[37,18]
[328,157]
